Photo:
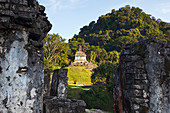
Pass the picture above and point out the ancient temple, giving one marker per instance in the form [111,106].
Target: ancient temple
[80,60]
[80,56]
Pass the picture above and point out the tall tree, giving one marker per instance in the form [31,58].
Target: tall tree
[55,51]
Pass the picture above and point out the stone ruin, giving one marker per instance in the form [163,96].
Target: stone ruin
[142,80]
[80,60]
[23,24]
[59,83]
[80,57]
[56,101]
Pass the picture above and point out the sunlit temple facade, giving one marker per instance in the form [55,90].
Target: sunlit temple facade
[80,60]
[80,56]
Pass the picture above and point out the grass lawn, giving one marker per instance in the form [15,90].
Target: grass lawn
[79,74]
[95,97]
[73,91]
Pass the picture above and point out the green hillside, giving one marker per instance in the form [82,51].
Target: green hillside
[114,30]
[79,74]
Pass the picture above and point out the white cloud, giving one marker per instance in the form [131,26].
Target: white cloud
[165,11]
[74,1]
[165,7]
[62,4]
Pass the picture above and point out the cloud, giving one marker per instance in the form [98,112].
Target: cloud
[74,1]
[165,7]
[134,2]
[62,4]
[54,4]
[165,11]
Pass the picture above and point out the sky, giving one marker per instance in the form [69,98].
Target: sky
[68,16]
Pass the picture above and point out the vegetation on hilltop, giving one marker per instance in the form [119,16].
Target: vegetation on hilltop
[120,27]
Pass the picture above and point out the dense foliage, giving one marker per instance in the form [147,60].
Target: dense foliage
[120,27]
[103,73]
[56,52]
[98,97]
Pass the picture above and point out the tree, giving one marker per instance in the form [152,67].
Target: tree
[114,56]
[103,73]
[55,51]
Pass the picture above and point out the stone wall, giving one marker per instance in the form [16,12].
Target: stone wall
[59,83]
[23,25]
[56,101]
[47,84]
[142,80]
[53,104]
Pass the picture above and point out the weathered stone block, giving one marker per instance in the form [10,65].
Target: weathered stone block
[139,64]
[60,105]
[47,84]
[147,78]
[140,76]
[21,62]
[138,86]
[59,83]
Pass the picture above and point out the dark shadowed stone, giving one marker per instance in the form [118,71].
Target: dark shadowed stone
[47,85]
[25,15]
[57,102]
[59,83]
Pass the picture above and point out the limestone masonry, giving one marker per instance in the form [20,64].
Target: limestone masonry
[56,101]
[142,80]
[23,24]
[59,83]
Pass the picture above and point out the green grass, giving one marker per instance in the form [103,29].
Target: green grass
[73,91]
[79,74]
[96,97]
